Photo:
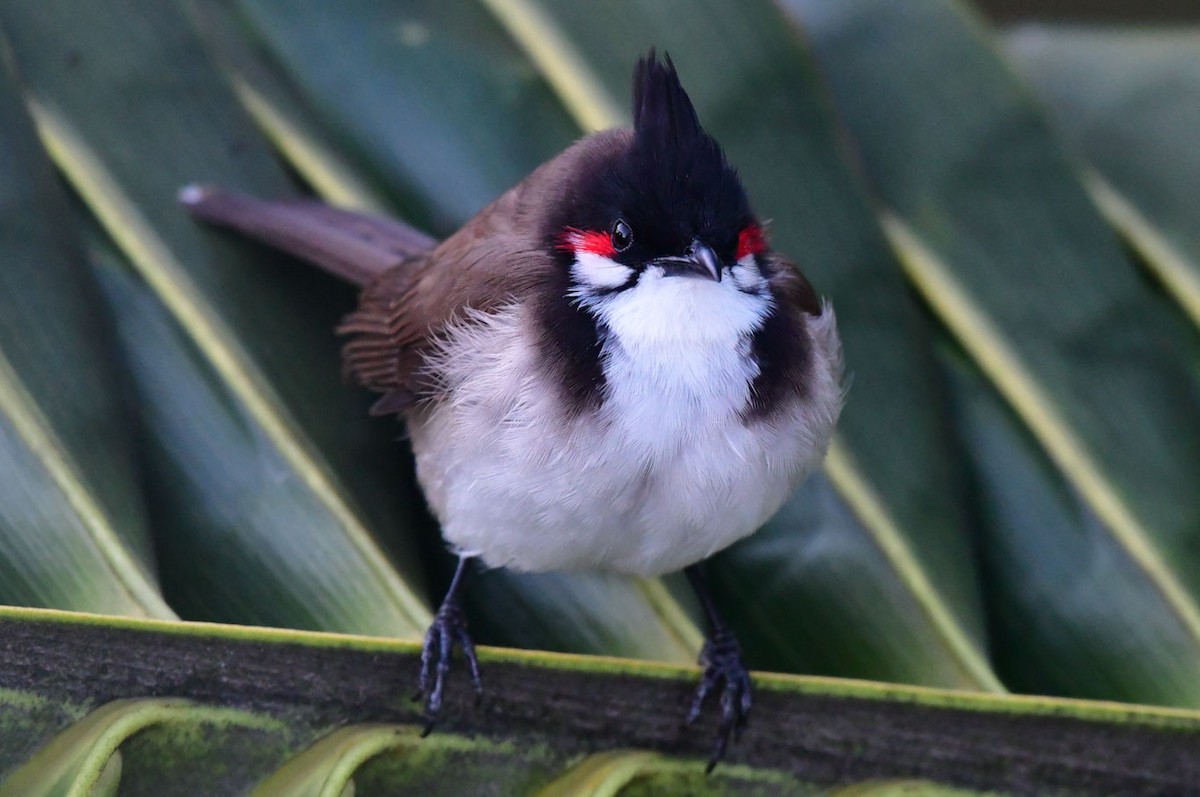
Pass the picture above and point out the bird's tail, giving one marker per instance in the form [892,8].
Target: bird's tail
[357,247]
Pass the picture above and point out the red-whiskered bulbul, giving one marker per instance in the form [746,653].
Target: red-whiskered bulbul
[607,368]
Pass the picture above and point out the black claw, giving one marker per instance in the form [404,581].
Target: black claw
[724,673]
[426,663]
[449,628]
[468,649]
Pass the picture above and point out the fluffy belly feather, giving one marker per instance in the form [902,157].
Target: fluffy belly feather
[665,473]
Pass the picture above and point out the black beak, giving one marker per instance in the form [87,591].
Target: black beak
[700,261]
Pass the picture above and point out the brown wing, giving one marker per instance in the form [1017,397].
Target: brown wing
[485,265]
[499,256]
[790,286]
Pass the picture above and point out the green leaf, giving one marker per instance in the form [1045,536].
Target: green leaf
[582,612]
[245,530]
[600,774]
[405,102]
[449,764]
[326,769]
[1130,102]
[810,584]
[637,773]
[73,530]
[85,760]
[898,509]
[398,759]
[1075,613]
[282,115]
[998,234]
[131,109]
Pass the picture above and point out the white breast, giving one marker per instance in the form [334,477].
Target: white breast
[663,474]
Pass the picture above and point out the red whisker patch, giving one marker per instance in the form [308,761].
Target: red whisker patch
[751,241]
[597,243]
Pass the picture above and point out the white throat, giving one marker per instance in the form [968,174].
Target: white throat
[677,351]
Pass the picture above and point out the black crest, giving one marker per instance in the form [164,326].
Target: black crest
[687,186]
[663,115]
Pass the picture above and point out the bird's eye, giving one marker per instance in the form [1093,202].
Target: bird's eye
[622,236]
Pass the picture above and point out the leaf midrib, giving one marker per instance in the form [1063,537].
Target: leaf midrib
[37,433]
[153,259]
[1007,371]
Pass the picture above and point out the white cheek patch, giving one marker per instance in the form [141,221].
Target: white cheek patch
[747,276]
[597,272]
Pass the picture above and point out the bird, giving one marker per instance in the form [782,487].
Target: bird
[607,368]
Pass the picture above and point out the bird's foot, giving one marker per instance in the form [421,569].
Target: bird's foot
[725,674]
[449,628]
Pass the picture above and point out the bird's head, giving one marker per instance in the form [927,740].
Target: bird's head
[658,211]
